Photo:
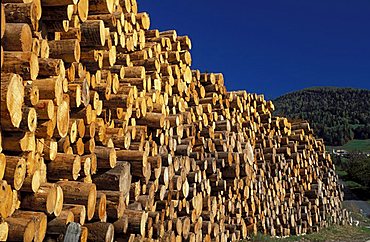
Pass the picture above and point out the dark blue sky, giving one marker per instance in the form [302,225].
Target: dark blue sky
[273,47]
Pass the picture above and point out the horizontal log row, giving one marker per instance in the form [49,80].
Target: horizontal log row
[108,135]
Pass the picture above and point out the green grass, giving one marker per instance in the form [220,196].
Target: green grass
[353,145]
[353,185]
[358,145]
[341,173]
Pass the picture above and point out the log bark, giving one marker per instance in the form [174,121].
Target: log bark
[56,3]
[93,33]
[80,193]
[59,224]
[39,219]
[51,67]
[43,200]
[57,13]
[137,221]
[106,157]
[17,37]
[100,231]
[29,13]
[15,171]
[115,204]
[68,50]
[50,88]
[64,166]
[23,63]
[21,229]
[79,212]
[101,6]
[28,122]
[32,96]
[116,179]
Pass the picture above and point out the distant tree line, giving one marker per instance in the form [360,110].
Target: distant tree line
[357,168]
[336,114]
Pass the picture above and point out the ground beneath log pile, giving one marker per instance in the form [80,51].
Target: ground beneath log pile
[332,234]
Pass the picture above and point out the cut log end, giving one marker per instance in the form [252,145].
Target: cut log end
[63,119]
[91,202]
[13,87]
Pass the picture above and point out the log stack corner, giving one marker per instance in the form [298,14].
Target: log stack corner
[107,134]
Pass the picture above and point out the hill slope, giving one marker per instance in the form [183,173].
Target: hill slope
[336,114]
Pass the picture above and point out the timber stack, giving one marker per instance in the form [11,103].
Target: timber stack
[107,134]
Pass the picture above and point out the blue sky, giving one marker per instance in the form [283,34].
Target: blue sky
[273,47]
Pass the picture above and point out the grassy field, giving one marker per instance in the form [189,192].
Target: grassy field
[353,145]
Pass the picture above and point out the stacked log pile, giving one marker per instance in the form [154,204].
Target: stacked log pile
[108,135]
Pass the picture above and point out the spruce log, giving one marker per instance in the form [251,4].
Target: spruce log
[136,221]
[66,166]
[100,231]
[55,3]
[18,37]
[24,64]
[50,88]
[12,97]
[116,179]
[32,96]
[80,193]
[68,50]
[6,199]
[51,67]
[93,33]
[39,219]
[115,204]
[101,6]
[29,13]
[21,229]
[57,13]
[79,212]
[59,224]
[44,200]
[62,118]
[15,171]
[28,122]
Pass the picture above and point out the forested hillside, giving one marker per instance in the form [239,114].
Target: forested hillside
[336,114]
